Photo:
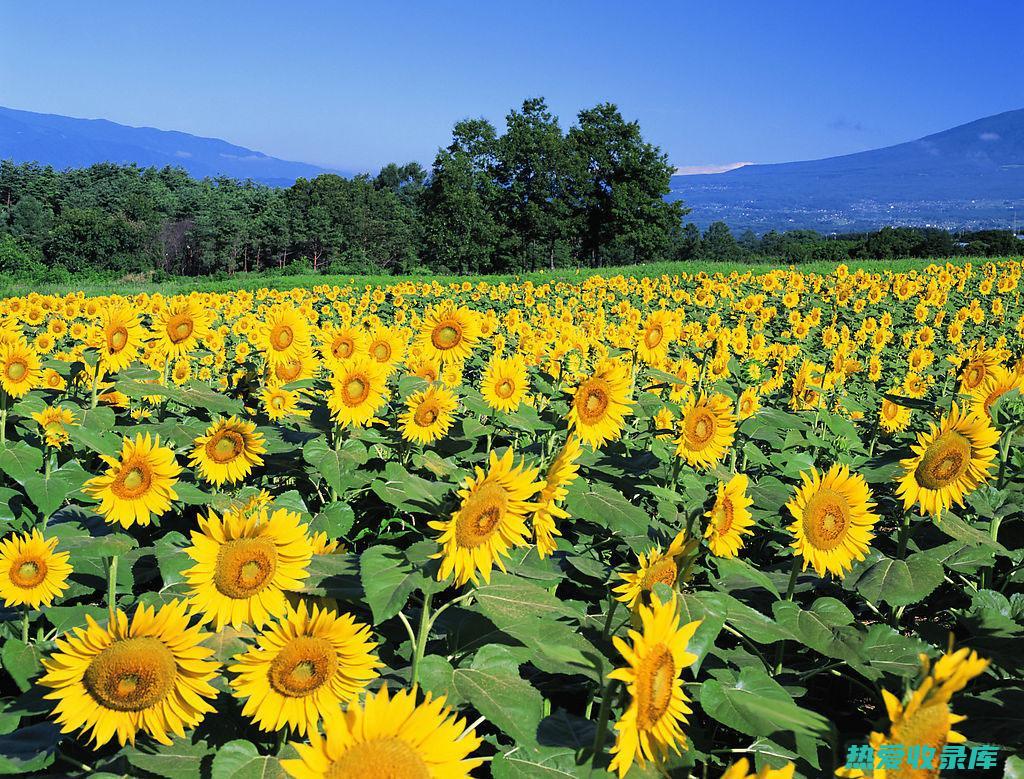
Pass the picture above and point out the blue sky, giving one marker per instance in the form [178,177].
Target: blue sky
[357,85]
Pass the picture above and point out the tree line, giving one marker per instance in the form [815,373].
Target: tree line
[529,197]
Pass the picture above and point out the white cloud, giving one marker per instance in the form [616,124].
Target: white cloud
[989,136]
[697,170]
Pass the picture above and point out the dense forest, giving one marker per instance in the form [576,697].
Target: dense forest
[534,196]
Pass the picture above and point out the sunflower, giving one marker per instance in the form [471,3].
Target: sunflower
[340,343]
[32,574]
[245,562]
[655,337]
[357,391]
[283,334]
[53,422]
[654,567]
[505,383]
[137,486]
[151,674]
[600,404]
[428,415]
[179,327]
[448,333]
[120,337]
[997,383]
[706,430]
[729,519]
[650,727]
[19,367]
[892,417]
[389,737]
[489,521]
[229,451]
[51,380]
[747,404]
[834,519]
[949,462]
[386,346]
[562,472]
[297,367]
[303,667]
[926,719]
[741,770]
[279,403]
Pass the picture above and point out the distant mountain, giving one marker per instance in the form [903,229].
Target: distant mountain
[967,177]
[65,142]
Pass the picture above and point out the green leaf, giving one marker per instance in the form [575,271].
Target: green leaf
[508,599]
[180,760]
[409,492]
[495,688]
[19,460]
[340,468]
[28,750]
[21,661]
[240,760]
[336,520]
[334,576]
[757,705]
[891,652]
[389,579]
[731,569]
[438,677]
[900,582]
[597,502]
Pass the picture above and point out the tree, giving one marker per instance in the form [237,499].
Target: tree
[718,243]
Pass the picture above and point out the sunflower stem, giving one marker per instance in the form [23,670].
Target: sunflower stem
[901,552]
[602,719]
[24,626]
[793,574]
[420,647]
[608,620]
[3,417]
[112,591]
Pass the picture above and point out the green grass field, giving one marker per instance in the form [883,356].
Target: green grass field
[257,281]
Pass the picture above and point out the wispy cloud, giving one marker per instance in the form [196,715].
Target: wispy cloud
[845,124]
[989,136]
[697,170]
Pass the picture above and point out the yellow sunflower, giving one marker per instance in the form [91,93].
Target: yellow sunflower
[229,451]
[51,380]
[32,573]
[120,337]
[729,519]
[245,562]
[835,519]
[949,462]
[340,343]
[303,668]
[151,675]
[562,472]
[428,414]
[706,430]
[926,719]
[279,403]
[389,737]
[747,404]
[655,337]
[53,423]
[386,346]
[137,486]
[489,521]
[283,334]
[997,383]
[19,367]
[357,391]
[505,383]
[601,403]
[653,567]
[179,327]
[448,333]
[650,727]
[741,770]
[892,417]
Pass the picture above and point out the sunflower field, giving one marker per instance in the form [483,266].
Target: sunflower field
[698,525]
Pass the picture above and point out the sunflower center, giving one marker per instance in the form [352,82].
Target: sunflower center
[480,517]
[974,375]
[700,428]
[28,573]
[929,727]
[301,666]
[591,401]
[117,339]
[277,402]
[179,328]
[288,371]
[426,415]
[244,567]
[131,674]
[342,347]
[17,369]
[381,758]
[357,390]
[826,518]
[664,572]
[446,335]
[504,389]
[722,515]
[381,351]
[653,336]
[132,480]
[282,337]
[654,682]
[944,462]
[225,446]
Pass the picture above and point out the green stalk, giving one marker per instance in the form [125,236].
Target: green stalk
[112,591]
[3,417]
[24,626]
[420,648]
[794,573]
[904,536]
[602,719]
